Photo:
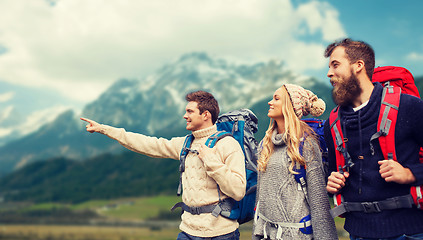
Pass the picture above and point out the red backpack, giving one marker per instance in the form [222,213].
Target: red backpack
[396,80]
[396,76]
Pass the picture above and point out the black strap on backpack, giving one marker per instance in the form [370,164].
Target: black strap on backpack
[182,157]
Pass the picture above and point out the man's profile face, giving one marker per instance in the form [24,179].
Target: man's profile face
[346,87]
[195,120]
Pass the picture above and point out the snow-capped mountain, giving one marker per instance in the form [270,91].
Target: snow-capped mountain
[152,105]
[158,101]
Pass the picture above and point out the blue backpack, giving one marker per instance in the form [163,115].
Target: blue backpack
[240,124]
[317,126]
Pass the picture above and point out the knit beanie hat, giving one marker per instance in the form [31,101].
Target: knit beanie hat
[304,101]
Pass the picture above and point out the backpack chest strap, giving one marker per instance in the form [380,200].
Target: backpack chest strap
[405,201]
[286,224]
[304,226]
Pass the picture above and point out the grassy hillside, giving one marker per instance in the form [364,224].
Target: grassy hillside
[102,177]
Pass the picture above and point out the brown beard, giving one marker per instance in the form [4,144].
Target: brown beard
[346,90]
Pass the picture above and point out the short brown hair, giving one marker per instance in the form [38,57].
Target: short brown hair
[206,102]
[355,50]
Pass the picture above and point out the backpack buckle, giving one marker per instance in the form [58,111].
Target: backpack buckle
[371,207]
[195,210]
[194,151]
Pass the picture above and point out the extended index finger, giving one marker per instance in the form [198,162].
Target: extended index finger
[86,120]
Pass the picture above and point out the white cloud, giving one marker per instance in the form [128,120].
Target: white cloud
[4,97]
[5,114]
[5,131]
[80,47]
[321,17]
[414,56]
[306,56]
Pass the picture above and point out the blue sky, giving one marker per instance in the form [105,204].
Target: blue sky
[61,54]
[393,28]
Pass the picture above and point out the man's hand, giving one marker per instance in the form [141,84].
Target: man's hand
[393,171]
[336,181]
[203,151]
[92,126]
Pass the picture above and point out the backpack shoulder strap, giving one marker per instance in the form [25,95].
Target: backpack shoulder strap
[387,120]
[300,177]
[187,145]
[215,137]
[386,126]
[341,153]
[386,132]
[211,142]
[182,156]
[343,158]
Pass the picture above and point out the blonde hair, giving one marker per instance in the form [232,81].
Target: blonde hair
[295,130]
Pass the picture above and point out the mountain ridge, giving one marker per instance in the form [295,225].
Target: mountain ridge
[149,105]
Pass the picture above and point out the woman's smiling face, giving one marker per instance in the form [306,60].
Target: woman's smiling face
[275,105]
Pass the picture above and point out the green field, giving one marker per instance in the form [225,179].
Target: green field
[122,219]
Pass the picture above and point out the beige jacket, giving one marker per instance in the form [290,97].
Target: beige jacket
[225,167]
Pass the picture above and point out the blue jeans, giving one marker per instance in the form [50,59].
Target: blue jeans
[230,236]
[402,237]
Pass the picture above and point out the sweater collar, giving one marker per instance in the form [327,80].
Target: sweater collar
[206,132]
[278,138]
[368,114]
[377,91]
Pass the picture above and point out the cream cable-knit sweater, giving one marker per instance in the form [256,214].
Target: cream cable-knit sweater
[225,167]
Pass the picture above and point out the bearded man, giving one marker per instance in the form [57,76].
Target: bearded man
[371,179]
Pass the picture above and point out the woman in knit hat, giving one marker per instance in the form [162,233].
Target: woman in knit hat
[285,208]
